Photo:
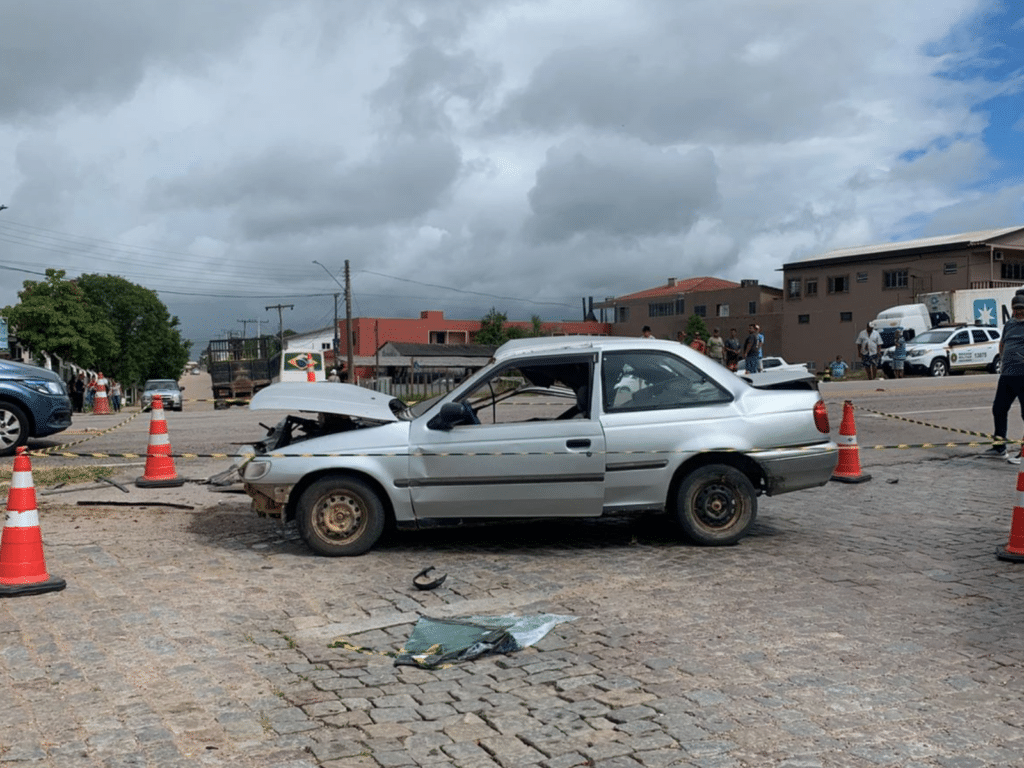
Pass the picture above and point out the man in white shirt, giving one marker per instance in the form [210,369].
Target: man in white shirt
[868,343]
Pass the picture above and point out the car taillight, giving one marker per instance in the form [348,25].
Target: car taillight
[821,417]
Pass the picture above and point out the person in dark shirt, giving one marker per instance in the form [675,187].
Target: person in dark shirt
[1011,377]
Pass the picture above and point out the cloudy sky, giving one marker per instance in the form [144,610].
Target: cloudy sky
[464,154]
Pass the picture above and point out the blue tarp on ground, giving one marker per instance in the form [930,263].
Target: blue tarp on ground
[437,642]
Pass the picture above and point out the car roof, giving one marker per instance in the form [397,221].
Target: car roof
[569,344]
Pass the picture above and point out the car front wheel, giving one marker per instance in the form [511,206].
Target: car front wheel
[13,428]
[716,505]
[339,516]
[939,367]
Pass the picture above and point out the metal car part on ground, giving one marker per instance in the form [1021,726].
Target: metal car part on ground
[552,428]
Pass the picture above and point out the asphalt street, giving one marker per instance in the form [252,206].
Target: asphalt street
[860,624]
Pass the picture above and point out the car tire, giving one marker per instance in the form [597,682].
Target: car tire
[340,516]
[14,428]
[939,367]
[996,367]
[716,505]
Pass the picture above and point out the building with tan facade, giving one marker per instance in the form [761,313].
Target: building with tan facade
[722,304]
[829,298]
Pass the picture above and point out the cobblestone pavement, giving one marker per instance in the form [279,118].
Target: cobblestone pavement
[859,625]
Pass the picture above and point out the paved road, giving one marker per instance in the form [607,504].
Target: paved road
[860,625]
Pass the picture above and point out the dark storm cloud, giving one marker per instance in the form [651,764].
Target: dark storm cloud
[59,53]
[289,191]
[622,189]
[664,91]
[420,87]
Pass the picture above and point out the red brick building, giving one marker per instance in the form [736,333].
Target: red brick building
[369,334]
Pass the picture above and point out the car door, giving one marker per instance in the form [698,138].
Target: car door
[537,451]
[669,408]
[961,354]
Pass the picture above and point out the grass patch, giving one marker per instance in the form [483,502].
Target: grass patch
[58,475]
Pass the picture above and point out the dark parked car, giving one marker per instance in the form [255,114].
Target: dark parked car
[33,403]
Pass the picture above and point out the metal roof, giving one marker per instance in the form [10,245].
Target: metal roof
[944,242]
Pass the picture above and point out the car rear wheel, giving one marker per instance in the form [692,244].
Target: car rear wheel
[339,516]
[939,367]
[14,428]
[716,505]
[996,367]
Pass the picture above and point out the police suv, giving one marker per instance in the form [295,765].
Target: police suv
[952,349]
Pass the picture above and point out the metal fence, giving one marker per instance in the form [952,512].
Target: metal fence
[420,383]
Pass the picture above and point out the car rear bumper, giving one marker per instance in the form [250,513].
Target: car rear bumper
[793,469]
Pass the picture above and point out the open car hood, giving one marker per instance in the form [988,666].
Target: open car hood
[327,397]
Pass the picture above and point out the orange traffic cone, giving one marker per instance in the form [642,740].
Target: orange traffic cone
[160,471]
[1014,549]
[22,566]
[310,368]
[100,403]
[848,469]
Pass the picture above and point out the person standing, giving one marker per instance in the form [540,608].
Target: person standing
[115,395]
[716,347]
[1011,378]
[868,342]
[334,377]
[645,333]
[899,354]
[78,393]
[750,349]
[732,350]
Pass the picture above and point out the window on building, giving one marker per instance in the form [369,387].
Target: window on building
[839,284]
[751,307]
[722,310]
[897,278]
[811,287]
[661,309]
[862,277]
[680,306]
[949,268]
[846,317]
[793,288]
[803,319]
[700,310]
[1010,271]
[326,345]
[622,314]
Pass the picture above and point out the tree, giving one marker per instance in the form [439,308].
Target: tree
[56,316]
[695,329]
[149,340]
[493,329]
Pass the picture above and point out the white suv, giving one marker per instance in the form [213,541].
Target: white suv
[955,349]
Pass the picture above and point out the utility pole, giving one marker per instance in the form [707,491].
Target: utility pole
[348,325]
[280,321]
[245,324]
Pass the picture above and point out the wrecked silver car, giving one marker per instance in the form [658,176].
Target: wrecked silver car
[552,427]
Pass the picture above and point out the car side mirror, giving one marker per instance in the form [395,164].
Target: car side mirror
[452,415]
